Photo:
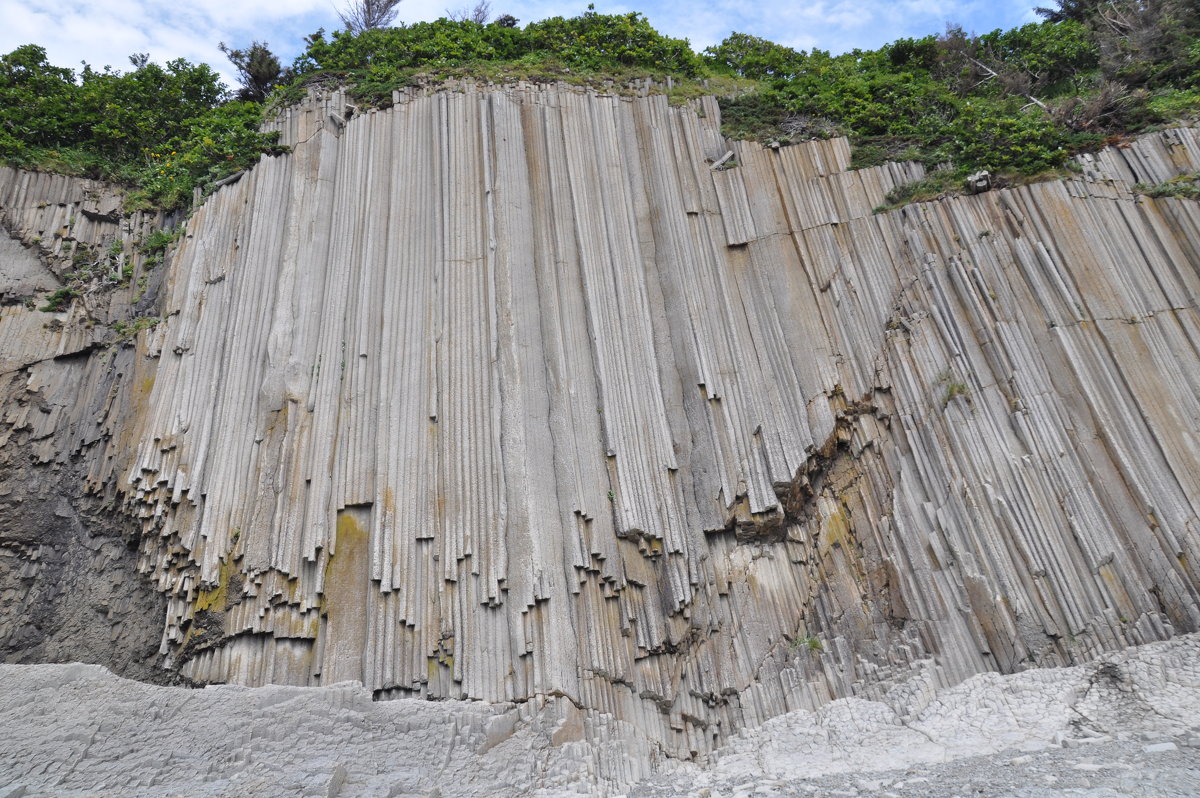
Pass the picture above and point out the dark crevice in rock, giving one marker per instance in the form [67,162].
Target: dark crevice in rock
[797,497]
[72,591]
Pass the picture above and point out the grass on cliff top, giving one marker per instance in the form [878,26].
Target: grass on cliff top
[377,92]
[949,181]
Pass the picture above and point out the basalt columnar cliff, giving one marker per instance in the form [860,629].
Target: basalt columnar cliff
[528,393]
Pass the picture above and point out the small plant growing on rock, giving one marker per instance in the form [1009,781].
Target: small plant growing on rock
[128,330]
[59,300]
[933,186]
[157,241]
[954,387]
[810,643]
[1181,187]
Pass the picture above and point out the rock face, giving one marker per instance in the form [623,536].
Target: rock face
[510,393]
[70,588]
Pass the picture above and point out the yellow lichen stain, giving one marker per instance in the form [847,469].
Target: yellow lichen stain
[752,583]
[216,598]
[344,603]
[278,419]
[444,658]
[350,548]
[836,532]
[445,652]
[292,588]
[1105,572]
[1116,589]
[139,394]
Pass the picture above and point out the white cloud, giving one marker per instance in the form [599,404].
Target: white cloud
[107,32]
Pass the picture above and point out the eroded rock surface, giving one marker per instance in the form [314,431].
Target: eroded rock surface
[502,394]
[70,587]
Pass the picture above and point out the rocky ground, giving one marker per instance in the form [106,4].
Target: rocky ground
[1127,724]
[1158,767]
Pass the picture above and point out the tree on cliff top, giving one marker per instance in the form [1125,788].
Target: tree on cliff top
[258,69]
[362,15]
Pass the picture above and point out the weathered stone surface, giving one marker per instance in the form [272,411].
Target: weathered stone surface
[21,272]
[75,730]
[69,583]
[69,586]
[507,393]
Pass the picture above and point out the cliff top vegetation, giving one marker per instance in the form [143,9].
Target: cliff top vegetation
[1021,100]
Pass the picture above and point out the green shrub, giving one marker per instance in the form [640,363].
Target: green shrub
[160,129]
[157,242]
[753,116]
[985,137]
[1172,104]
[811,644]
[127,330]
[597,41]
[379,58]
[1051,53]
[871,151]
[38,106]
[1180,187]
[932,186]
[1022,100]
[751,57]
[59,300]
[212,146]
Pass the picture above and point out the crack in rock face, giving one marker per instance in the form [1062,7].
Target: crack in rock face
[506,395]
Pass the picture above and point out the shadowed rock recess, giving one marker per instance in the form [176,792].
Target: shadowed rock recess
[507,394]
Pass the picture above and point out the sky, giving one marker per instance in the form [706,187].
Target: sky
[107,32]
